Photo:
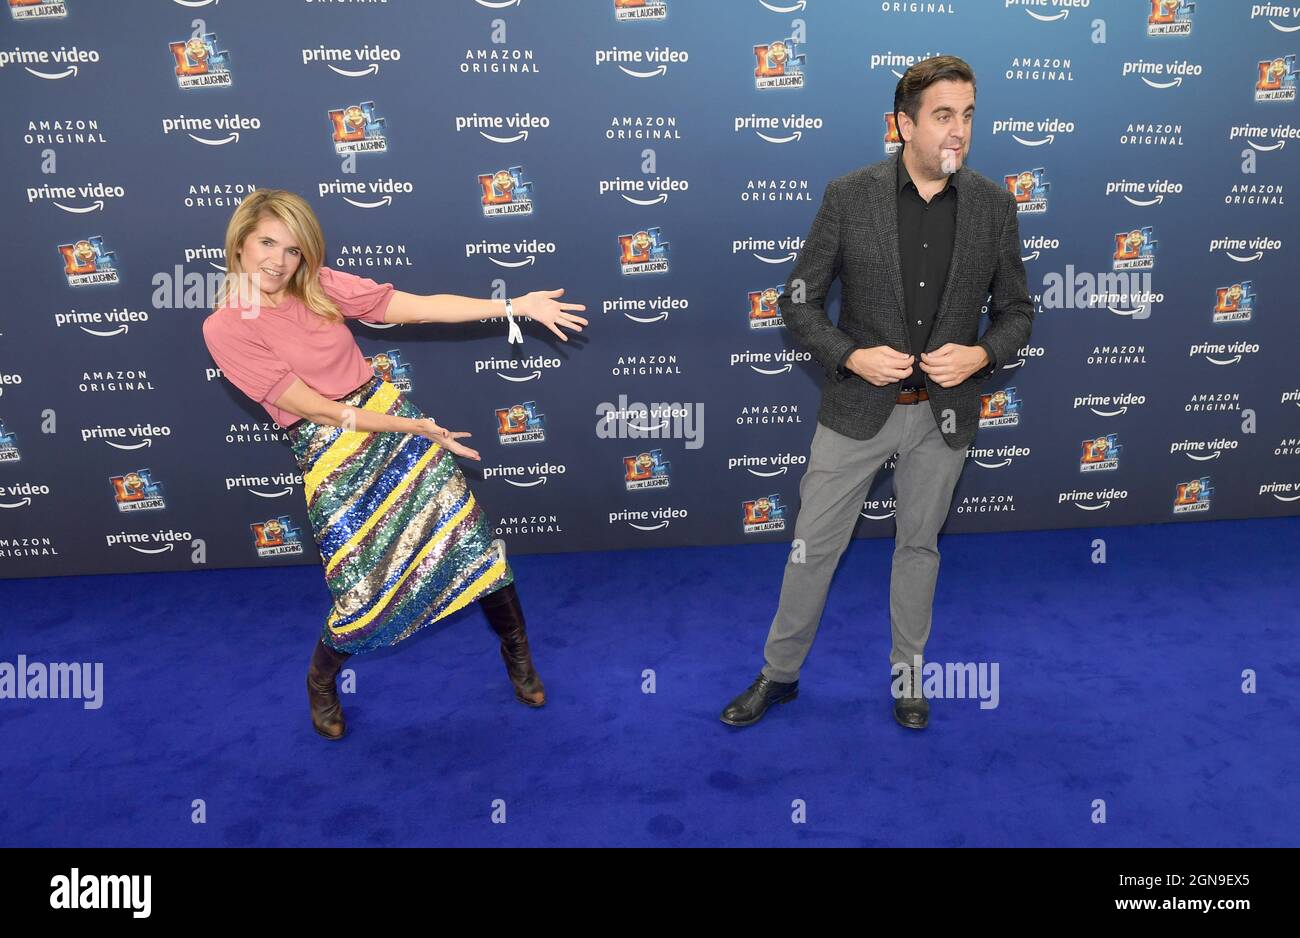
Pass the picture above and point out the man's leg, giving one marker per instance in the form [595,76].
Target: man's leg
[840,470]
[924,478]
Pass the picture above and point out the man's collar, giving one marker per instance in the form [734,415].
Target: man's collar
[903,177]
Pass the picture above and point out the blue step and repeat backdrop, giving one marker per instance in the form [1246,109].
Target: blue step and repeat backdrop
[661,161]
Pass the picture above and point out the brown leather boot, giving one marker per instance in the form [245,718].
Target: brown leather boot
[326,713]
[507,619]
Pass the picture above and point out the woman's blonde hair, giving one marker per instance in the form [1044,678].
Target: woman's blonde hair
[297,216]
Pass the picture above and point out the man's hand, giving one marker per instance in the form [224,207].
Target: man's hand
[881,365]
[952,364]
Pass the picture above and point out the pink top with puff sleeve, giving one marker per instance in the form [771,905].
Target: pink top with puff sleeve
[262,355]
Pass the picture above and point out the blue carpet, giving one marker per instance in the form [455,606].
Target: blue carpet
[1119,682]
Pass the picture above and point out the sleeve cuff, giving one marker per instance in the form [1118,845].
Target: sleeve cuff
[992,366]
[840,371]
[380,313]
[279,388]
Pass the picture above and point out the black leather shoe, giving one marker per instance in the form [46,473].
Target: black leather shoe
[749,707]
[912,711]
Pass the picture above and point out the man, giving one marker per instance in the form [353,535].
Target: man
[918,241]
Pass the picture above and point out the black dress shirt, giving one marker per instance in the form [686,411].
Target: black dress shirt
[925,236]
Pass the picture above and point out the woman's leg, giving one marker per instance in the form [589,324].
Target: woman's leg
[506,617]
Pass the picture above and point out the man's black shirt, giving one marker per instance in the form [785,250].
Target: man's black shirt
[925,237]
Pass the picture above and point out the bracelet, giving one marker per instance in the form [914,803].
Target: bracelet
[513,335]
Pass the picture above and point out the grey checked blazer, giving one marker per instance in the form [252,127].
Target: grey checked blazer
[855,237]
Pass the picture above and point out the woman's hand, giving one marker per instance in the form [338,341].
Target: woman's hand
[542,307]
[429,429]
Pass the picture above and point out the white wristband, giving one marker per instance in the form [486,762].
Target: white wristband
[513,335]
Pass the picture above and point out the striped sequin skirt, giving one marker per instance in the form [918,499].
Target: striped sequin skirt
[401,537]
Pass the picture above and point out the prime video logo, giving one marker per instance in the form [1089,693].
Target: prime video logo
[58,680]
[632,420]
[102,892]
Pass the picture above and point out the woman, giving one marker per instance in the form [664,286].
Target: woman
[401,537]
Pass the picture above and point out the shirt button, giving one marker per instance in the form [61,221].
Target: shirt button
[918,322]
[926,245]
[922,283]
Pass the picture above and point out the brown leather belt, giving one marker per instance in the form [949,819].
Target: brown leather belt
[912,397]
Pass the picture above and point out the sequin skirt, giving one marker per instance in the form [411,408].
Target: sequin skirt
[402,539]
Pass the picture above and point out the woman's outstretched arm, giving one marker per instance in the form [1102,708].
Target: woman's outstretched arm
[301,400]
[540,306]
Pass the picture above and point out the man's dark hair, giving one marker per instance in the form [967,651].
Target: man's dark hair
[907,94]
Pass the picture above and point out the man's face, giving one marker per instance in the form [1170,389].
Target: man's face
[939,138]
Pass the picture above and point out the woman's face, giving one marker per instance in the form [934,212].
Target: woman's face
[270,250]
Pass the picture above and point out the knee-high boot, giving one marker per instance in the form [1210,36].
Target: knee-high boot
[322,695]
[507,619]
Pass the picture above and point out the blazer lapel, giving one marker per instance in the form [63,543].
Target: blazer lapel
[963,236]
[884,219]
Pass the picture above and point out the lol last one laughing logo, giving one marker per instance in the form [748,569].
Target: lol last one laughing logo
[199,64]
[87,262]
[506,192]
[276,537]
[631,11]
[37,9]
[358,129]
[1192,496]
[1276,79]
[1170,18]
[1029,190]
[645,252]
[1135,250]
[780,65]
